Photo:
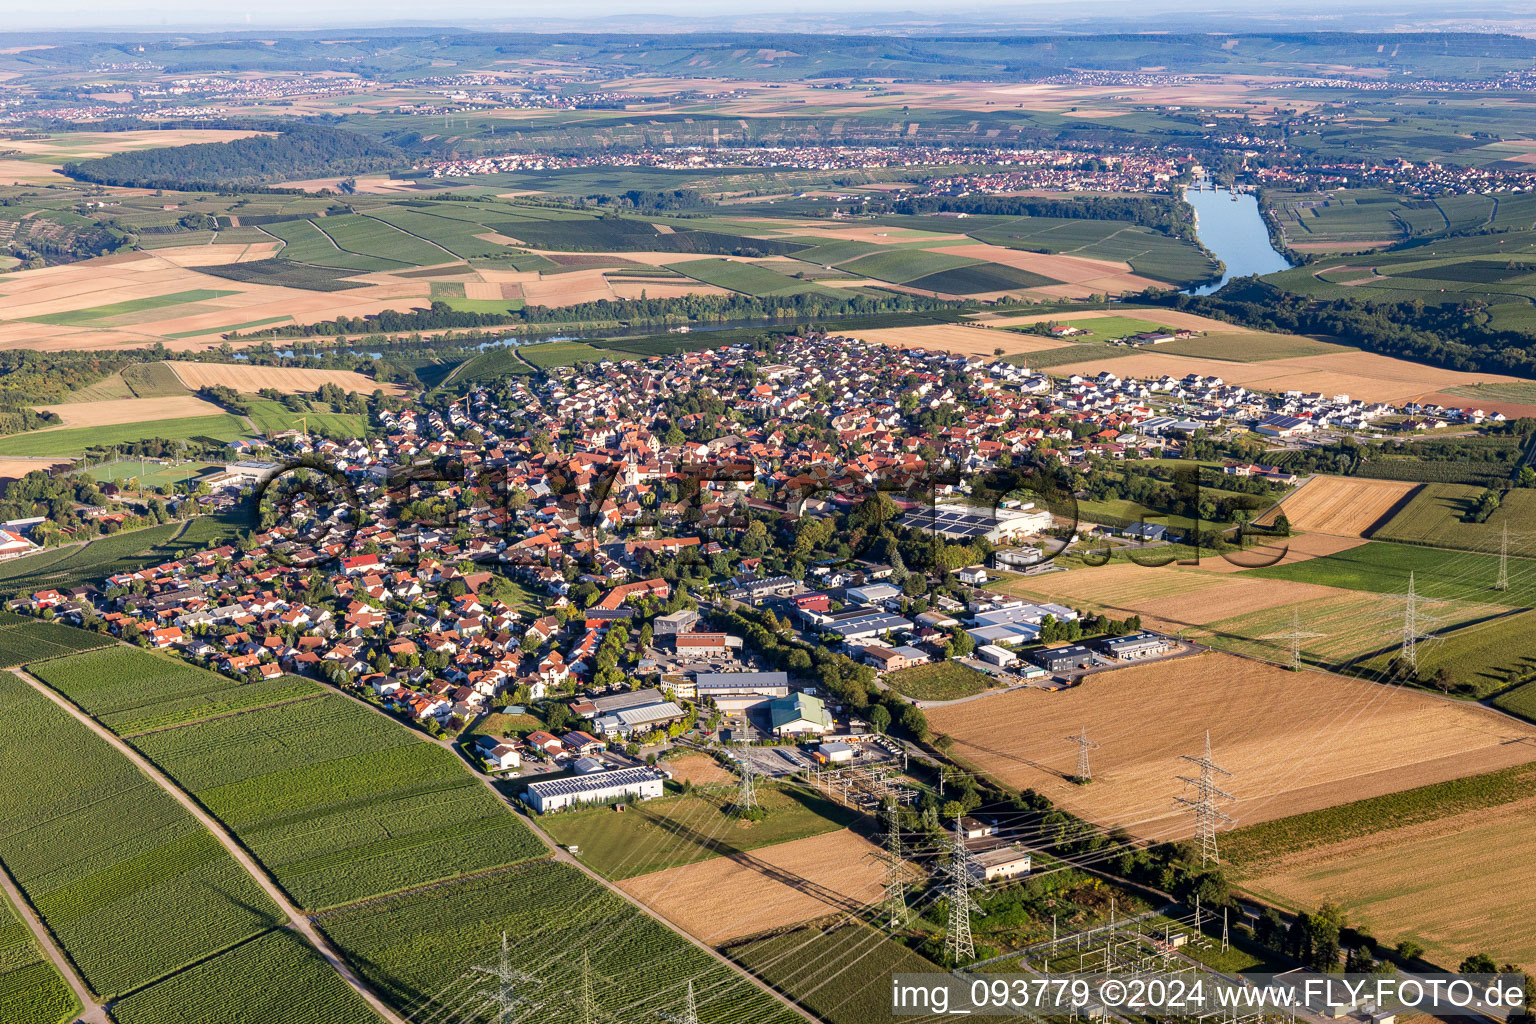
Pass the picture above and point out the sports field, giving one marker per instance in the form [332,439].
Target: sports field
[1293,741]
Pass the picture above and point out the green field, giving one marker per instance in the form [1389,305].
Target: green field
[1519,701]
[942,680]
[558,353]
[1508,391]
[130,690]
[490,364]
[149,474]
[901,265]
[339,802]
[34,640]
[274,417]
[1251,348]
[1437,516]
[86,317]
[1254,844]
[69,566]
[128,882]
[32,991]
[1149,253]
[1383,568]
[418,950]
[75,440]
[842,973]
[748,278]
[666,832]
[1105,328]
[484,305]
[238,985]
[368,236]
[981,278]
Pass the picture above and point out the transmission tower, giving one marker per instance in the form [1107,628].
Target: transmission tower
[1084,744]
[505,994]
[1502,583]
[895,878]
[690,1014]
[1294,637]
[746,797]
[1207,815]
[957,940]
[586,1002]
[1414,621]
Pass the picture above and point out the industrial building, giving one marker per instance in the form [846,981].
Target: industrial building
[1135,646]
[734,692]
[965,522]
[1001,863]
[1063,659]
[799,715]
[592,788]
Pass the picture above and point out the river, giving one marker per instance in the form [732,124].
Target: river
[1236,233]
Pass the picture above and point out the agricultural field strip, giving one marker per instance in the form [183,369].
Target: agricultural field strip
[13,905]
[295,919]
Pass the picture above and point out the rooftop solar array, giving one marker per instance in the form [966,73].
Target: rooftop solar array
[949,523]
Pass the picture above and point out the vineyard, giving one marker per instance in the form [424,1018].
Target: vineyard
[31,990]
[128,882]
[132,691]
[31,640]
[841,974]
[237,985]
[417,950]
[337,801]
[1440,515]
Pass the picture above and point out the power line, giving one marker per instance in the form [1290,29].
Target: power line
[1207,815]
[746,797]
[1502,583]
[895,878]
[1084,744]
[505,994]
[958,945]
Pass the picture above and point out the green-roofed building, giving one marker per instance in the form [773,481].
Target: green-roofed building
[799,715]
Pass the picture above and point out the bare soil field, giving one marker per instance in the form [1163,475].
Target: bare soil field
[15,469]
[1457,885]
[1168,597]
[569,288]
[131,410]
[699,769]
[86,145]
[1361,375]
[1513,410]
[1294,742]
[251,379]
[1341,506]
[960,339]
[131,277]
[728,897]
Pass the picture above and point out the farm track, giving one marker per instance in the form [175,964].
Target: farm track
[296,920]
[93,1012]
[560,855]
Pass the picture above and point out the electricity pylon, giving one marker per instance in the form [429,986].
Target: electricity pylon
[746,797]
[1084,744]
[505,996]
[895,901]
[958,945]
[586,1003]
[1414,621]
[1295,636]
[690,1014]
[1502,583]
[1207,815]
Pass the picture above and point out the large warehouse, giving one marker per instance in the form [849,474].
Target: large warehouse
[558,794]
[967,522]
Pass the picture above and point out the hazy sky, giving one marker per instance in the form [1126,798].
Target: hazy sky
[753,15]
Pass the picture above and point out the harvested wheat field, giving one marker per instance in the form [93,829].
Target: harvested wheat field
[1457,885]
[1166,597]
[728,897]
[131,410]
[699,769]
[251,379]
[960,339]
[1294,741]
[1361,375]
[15,469]
[1341,506]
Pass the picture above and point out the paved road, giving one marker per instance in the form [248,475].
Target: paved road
[94,1012]
[296,920]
